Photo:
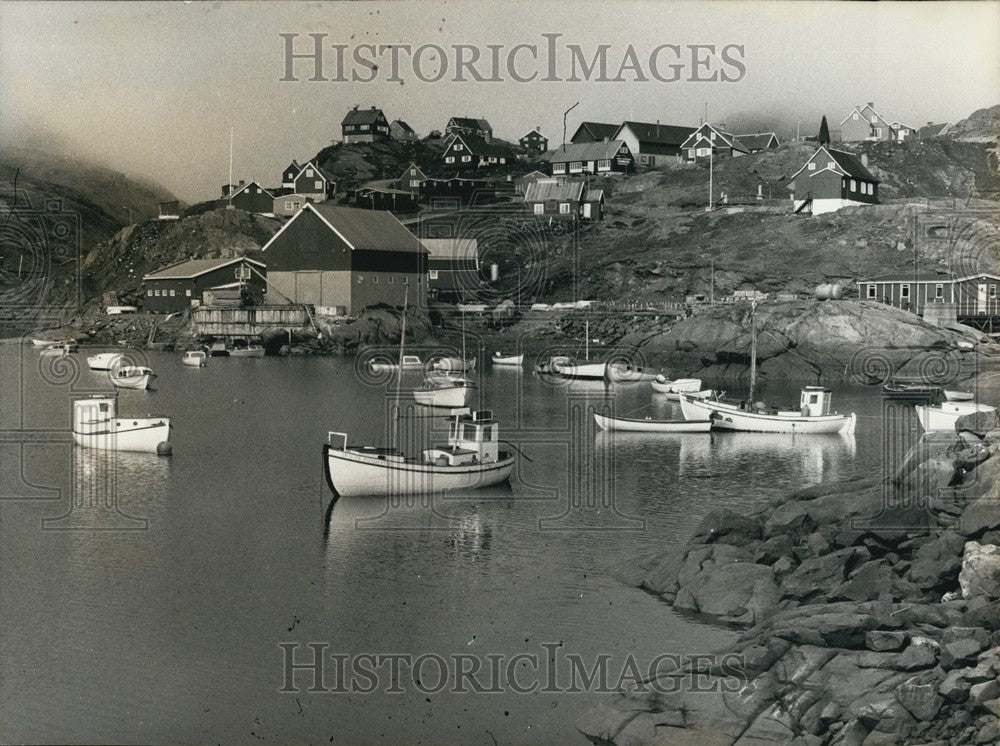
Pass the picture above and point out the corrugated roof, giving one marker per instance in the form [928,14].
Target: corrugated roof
[593,195]
[756,141]
[585,151]
[662,134]
[195,267]
[403,125]
[598,130]
[451,248]
[558,190]
[908,277]
[367,230]
[362,116]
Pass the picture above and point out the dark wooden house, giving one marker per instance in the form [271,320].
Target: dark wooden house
[364,125]
[534,142]
[973,297]
[591,158]
[565,199]
[594,132]
[709,140]
[250,197]
[181,285]
[471,151]
[345,258]
[651,142]
[412,179]
[314,182]
[832,179]
[469,126]
[453,271]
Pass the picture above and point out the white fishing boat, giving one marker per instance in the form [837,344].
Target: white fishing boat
[246,350]
[408,362]
[813,415]
[678,386]
[58,350]
[944,416]
[131,377]
[507,360]
[96,425]
[952,395]
[443,391]
[104,360]
[649,425]
[622,372]
[469,460]
[195,358]
[454,364]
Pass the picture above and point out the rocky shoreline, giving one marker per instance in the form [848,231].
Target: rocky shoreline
[869,612]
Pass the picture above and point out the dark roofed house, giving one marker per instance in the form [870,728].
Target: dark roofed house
[521,182]
[832,179]
[534,142]
[712,140]
[564,198]
[315,182]
[345,258]
[289,174]
[469,126]
[400,130]
[364,125]
[972,299]
[591,158]
[182,285]
[472,151]
[412,179]
[382,194]
[250,197]
[933,130]
[650,141]
[452,268]
[759,141]
[594,132]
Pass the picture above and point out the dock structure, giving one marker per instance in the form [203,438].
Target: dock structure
[250,321]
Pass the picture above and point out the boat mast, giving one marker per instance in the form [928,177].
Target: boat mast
[586,340]
[230,190]
[399,379]
[753,348]
[463,339]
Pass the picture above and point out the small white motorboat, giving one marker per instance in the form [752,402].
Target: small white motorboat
[195,358]
[104,360]
[455,364]
[622,372]
[664,385]
[951,395]
[507,360]
[250,350]
[96,425]
[409,362]
[36,342]
[469,460]
[813,416]
[944,416]
[218,349]
[131,377]
[649,425]
[443,391]
[58,350]
[583,371]
[117,310]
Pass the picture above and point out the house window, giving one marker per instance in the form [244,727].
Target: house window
[812,166]
[188,292]
[993,291]
[309,172]
[364,127]
[878,131]
[466,158]
[361,279]
[564,208]
[432,274]
[711,136]
[458,146]
[390,279]
[156,293]
[939,291]
[604,165]
[449,159]
[318,185]
[375,279]
[905,294]
[539,208]
[871,288]
[149,293]
[831,164]
[874,119]
[414,182]
[854,116]
[854,185]
[406,280]
[171,293]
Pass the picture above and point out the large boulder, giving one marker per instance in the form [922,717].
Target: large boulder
[722,582]
[980,575]
[820,576]
[727,527]
[978,422]
[981,515]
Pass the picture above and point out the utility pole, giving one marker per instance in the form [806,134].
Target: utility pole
[711,295]
[711,158]
[564,124]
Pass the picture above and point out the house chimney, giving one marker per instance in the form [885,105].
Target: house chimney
[871,105]
[373,108]
[864,160]
[929,124]
[242,183]
[722,126]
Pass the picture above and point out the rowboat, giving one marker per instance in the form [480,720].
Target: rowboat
[585,371]
[910,391]
[813,416]
[96,425]
[551,366]
[469,460]
[455,364]
[664,385]
[507,360]
[958,395]
[945,415]
[36,342]
[408,362]
[58,350]
[621,372]
[131,377]
[648,425]
[195,358]
[104,360]
[253,350]
[443,392]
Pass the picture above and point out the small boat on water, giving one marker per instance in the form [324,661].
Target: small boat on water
[408,362]
[813,415]
[218,349]
[551,366]
[951,395]
[58,350]
[622,372]
[944,416]
[443,391]
[583,371]
[470,459]
[96,425]
[195,358]
[104,360]
[912,391]
[507,360]
[454,364]
[241,348]
[649,425]
[36,342]
[132,377]
[674,388]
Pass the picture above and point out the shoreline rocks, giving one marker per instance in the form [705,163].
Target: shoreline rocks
[869,614]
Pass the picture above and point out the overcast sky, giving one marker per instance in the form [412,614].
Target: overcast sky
[154,88]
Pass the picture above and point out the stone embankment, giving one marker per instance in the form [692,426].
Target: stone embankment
[869,611]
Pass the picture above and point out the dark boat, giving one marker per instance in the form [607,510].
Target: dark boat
[911,390]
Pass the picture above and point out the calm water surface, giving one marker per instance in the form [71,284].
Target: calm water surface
[143,599]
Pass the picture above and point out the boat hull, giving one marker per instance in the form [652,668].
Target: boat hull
[350,474]
[141,435]
[585,372]
[104,361]
[681,385]
[944,416]
[621,373]
[624,424]
[727,417]
[451,396]
[247,352]
[511,360]
[958,395]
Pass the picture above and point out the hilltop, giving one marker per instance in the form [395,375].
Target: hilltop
[982,125]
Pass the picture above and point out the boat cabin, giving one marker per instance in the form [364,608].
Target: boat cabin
[815,401]
[472,439]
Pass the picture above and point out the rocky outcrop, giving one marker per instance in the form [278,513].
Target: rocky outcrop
[869,611]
